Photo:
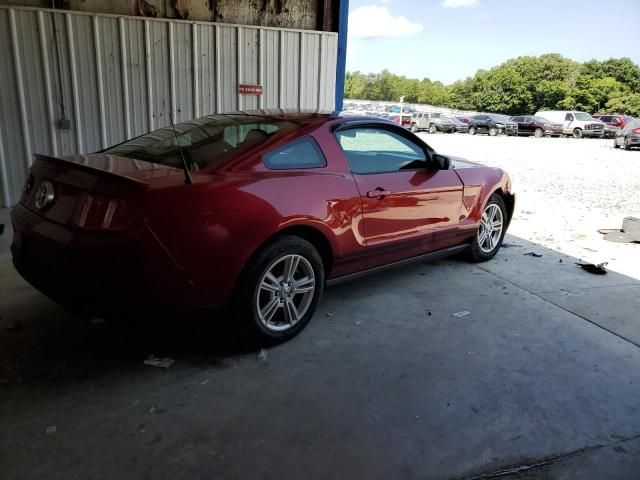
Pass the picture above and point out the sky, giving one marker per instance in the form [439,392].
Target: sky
[449,40]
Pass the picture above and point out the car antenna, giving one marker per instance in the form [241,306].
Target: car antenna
[187,175]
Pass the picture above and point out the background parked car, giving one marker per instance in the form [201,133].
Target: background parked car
[615,120]
[575,123]
[613,123]
[458,125]
[537,126]
[464,119]
[433,122]
[492,124]
[629,136]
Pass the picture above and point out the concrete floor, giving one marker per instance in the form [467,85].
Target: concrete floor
[541,380]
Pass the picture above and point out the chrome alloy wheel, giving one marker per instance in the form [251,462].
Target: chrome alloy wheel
[490,231]
[285,292]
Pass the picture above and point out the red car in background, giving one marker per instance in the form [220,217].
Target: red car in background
[256,210]
[619,121]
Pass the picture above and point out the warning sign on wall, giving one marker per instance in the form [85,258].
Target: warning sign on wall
[250,89]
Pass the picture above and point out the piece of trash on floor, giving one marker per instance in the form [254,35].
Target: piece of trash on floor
[329,314]
[508,245]
[159,362]
[51,429]
[629,233]
[262,355]
[592,268]
[533,254]
[462,313]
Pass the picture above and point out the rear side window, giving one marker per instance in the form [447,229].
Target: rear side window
[301,153]
[568,117]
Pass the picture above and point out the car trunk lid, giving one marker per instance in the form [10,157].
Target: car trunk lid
[89,191]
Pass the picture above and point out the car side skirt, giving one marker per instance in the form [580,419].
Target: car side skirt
[431,256]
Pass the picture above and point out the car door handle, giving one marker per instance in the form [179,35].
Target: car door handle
[378,193]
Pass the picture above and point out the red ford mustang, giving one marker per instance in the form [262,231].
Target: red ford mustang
[259,210]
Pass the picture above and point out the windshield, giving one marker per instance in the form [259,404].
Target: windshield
[583,116]
[499,118]
[204,141]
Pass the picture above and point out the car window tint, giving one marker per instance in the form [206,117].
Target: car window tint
[301,153]
[568,117]
[519,119]
[375,150]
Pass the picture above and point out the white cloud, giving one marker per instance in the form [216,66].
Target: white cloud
[460,3]
[376,21]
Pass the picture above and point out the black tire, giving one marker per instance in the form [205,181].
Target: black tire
[577,133]
[538,133]
[245,298]
[414,128]
[476,254]
[433,128]
[472,130]
[493,131]
[626,144]
[615,143]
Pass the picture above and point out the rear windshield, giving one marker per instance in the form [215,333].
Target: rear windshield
[205,141]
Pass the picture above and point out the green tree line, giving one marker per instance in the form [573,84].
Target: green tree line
[521,85]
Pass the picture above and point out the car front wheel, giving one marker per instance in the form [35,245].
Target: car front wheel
[432,128]
[472,130]
[538,133]
[493,226]
[577,133]
[626,144]
[493,131]
[281,289]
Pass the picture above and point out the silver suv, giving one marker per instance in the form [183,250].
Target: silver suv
[432,122]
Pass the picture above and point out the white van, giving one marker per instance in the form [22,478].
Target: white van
[577,124]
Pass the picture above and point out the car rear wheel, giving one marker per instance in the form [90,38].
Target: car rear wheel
[493,226]
[577,133]
[538,133]
[281,288]
[432,128]
[493,131]
[472,130]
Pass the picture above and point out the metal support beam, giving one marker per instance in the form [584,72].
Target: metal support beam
[343,20]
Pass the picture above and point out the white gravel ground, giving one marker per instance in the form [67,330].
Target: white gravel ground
[566,190]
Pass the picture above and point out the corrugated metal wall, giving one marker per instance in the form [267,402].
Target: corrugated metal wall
[115,78]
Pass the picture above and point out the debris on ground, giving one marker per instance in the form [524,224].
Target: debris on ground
[533,254]
[429,313]
[629,233]
[329,314]
[159,362]
[462,313]
[508,245]
[51,429]
[593,268]
[262,355]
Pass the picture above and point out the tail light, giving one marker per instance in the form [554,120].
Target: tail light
[28,186]
[636,130]
[99,212]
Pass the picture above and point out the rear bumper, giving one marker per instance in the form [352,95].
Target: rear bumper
[73,269]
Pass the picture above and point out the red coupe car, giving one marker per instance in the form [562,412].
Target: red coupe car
[259,210]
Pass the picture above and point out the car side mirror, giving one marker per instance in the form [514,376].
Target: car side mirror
[443,162]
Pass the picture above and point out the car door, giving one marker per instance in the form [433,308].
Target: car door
[527,126]
[483,124]
[567,125]
[409,206]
